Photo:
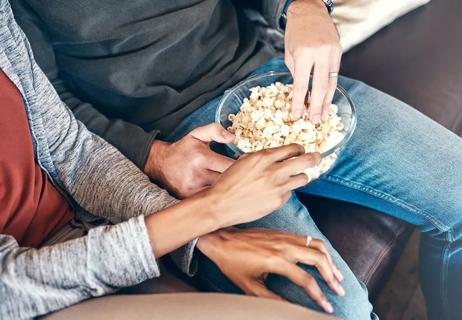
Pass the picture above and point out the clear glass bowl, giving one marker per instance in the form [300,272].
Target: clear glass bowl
[232,101]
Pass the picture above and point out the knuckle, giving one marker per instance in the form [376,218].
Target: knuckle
[324,261]
[309,281]
[260,156]
[197,159]
[274,261]
[321,244]
[303,52]
[295,148]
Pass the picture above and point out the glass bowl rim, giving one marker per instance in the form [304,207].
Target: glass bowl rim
[339,88]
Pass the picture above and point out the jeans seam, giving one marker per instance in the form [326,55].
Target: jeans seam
[444,274]
[385,196]
[440,226]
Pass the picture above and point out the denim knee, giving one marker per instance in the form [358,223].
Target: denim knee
[354,305]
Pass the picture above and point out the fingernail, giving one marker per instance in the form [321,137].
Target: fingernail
[297,112]
[340,275]
[340,290]
[328,307]
[325,115]
[315,119]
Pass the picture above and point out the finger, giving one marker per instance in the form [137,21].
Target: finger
[258,289]
[319,244]
[283,152]
[217,162]
[212,132]
[303,279]
[297,181]
[295,165]
[302,73]
[328,98]
[318,259]
[319,90]
[289,62]
[331,85]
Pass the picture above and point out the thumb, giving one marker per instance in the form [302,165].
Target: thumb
[212,132]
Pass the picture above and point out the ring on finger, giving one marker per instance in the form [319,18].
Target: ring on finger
[308,240]
[333,74]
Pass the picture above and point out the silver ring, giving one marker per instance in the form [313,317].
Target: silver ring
[333,74]
[308,240]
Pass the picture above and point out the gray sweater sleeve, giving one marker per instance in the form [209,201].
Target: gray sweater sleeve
[34,282]
[97,176]
[99,179]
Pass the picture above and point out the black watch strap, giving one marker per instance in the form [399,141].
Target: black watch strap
[329,5]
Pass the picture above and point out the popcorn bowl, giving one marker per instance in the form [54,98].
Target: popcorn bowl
[233,99]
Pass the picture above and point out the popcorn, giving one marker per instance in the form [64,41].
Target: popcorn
[265,121]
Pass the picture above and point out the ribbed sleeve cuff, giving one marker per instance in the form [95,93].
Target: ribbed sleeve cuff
[183,257]
[144,142]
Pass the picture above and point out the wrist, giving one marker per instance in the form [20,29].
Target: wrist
[173,227]
[211,245]
[297,5]
[156,155]
[217,208]
[203,203]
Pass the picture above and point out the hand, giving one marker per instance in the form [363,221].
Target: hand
[189,165]
[247,256]
[312,45]
[251,188]
[259,183]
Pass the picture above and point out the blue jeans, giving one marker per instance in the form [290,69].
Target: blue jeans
[398,162]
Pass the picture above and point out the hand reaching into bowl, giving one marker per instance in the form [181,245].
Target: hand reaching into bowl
[312,45]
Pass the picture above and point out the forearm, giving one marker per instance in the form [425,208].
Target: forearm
[106,259]
[177,225]
[35,282]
